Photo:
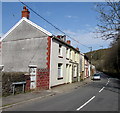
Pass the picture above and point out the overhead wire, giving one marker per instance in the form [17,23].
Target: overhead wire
[52,24]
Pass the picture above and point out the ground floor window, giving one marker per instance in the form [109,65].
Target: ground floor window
[75,71]
[60,75]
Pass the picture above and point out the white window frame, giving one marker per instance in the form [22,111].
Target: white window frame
[67,52]
[75,71]
[60,50]
[70,54]
[60,70]
[76,56]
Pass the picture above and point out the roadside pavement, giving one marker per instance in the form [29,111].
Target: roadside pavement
[29,96]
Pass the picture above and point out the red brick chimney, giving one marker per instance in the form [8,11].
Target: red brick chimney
[25,12]
[68,42]
[58,36]
[77,48]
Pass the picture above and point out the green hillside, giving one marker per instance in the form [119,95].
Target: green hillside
[97,57]
[106,60]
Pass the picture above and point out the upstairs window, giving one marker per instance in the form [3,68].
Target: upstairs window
[75,56]
[67,52]
[60,50]
[70,54]
[60,71]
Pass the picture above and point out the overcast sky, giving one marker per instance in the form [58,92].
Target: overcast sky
[77,19]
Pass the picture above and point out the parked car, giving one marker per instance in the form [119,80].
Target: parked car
[96,76]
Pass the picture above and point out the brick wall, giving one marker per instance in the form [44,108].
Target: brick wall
[42,79]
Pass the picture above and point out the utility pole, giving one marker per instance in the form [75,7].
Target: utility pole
[91,54]
[91,62]
[101,60]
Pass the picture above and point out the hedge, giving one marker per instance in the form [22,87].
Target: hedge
[8,78]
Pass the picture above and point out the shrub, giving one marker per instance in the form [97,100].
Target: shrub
[8,78]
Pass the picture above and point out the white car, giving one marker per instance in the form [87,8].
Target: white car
[96,76]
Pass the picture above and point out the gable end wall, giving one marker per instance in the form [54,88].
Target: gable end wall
[24,46]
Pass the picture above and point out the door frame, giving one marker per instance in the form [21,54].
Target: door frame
[33,75]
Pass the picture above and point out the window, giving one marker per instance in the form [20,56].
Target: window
[75,56]
[70,54]
[60,50]
[67,52]
[60,71]
[75,71]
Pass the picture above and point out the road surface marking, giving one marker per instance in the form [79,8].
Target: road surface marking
[85,103]
[101,89]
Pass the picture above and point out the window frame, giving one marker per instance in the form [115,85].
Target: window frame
[70,54]
[75,72]
[60,50]
[75,56]
[67,53]
[60,71]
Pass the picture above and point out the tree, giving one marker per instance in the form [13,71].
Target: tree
[109,28]
[109,19]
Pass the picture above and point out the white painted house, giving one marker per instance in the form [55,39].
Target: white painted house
[49,59]
[64,62]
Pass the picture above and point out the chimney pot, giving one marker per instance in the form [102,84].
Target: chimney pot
[68,42]
[24,7]
[77,48]
[25,12]
[58,36]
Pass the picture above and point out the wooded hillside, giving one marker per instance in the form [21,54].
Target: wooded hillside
[97,57]
[107,60]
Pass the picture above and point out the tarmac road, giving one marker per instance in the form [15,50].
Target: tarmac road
[100,95]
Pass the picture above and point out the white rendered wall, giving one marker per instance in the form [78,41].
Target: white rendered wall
[55,59]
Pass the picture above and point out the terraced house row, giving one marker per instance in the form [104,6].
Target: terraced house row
[49,60]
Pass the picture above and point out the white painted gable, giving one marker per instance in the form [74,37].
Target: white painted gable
[31,23]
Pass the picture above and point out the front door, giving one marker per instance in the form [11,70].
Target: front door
[33,77]
[67,73]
